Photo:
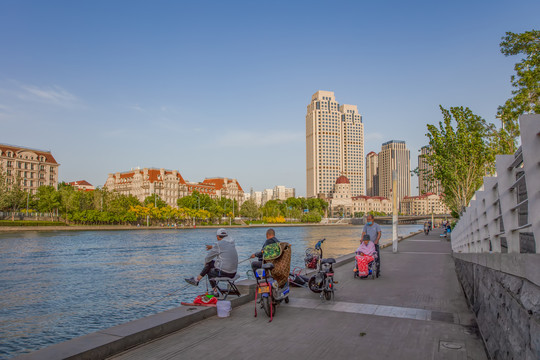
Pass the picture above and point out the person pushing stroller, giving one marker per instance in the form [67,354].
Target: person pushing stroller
[366,254]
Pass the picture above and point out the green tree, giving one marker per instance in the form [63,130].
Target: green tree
[14,198]
[271,209]
[48,199]
[249,209]
[313,216]
[3,190]
[461,155]
[526,81]
[154,199]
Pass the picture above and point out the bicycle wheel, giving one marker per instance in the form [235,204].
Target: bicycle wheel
[328,289]
[312,284]
[266,305]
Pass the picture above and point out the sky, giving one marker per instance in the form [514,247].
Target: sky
[220,88]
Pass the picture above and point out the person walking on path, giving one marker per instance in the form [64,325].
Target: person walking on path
[221,260]
[374,231]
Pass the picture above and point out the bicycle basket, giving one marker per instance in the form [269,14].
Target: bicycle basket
[311,258]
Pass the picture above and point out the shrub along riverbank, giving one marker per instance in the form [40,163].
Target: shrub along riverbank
[103,207]
[30,223]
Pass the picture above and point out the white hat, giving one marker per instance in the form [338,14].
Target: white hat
[222,233]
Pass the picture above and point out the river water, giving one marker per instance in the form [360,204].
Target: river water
[59,285]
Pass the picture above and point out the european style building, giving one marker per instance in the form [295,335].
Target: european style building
[32,168]
[343,204]
[169,185]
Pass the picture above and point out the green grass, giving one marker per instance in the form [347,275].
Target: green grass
[30,223]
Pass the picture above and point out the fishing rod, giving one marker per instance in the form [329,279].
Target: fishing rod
[166,296]
[184,287]
[249,258]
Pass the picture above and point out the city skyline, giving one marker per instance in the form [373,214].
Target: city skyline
[219,89]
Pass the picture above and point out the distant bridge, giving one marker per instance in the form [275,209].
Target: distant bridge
[412,219]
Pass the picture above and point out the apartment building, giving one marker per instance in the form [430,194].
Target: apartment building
[426,182]
[372,174]
[394,156]
[81,185]
[334,145]
[343,204]
[31,167]
[169,185]
[282,193]
[424,204]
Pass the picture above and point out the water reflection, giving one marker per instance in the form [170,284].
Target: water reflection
[60,285]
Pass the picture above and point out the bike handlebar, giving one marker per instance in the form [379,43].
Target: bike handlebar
[319,243]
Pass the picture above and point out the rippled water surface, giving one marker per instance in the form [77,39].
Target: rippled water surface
[62,284]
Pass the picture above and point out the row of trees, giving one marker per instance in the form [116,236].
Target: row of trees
[464,145]
[105,207]
[374,213]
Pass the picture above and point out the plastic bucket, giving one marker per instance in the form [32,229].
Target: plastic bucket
[223,308]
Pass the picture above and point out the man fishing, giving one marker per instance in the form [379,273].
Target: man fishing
[221,260]
[270,239]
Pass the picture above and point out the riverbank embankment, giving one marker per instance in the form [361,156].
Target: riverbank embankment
[131,227]
[119,338]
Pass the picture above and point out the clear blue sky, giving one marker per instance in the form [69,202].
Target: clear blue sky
[220,88]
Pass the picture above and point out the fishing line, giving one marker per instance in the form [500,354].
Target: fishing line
[249,258]
[158,300]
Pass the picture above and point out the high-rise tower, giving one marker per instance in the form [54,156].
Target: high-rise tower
[394,155]
[334,145]
[426,182]
[372,174]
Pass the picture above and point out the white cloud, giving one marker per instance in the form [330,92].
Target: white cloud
[136,108]
[52,95]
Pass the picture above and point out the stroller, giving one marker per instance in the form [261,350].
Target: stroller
[371,268]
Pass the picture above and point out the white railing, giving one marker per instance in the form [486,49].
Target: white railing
[504,215]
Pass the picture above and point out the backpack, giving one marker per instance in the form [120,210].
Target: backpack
[271,251]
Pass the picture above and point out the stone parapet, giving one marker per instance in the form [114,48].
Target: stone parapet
[504,293]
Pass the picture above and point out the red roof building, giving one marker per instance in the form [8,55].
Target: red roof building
[82,185]
[169,185]
[31,167]
[342,180]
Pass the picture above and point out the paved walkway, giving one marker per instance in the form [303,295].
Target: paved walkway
[416,310]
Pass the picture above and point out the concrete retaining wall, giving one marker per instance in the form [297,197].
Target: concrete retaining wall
[506,303]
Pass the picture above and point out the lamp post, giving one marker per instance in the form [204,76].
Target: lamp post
[27,195]
[394,213]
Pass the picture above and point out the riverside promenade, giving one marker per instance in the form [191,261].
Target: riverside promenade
[415,310]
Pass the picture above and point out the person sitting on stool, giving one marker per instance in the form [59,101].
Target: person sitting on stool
[221,260]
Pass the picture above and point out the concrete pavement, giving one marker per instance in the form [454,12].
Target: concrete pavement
[416,310]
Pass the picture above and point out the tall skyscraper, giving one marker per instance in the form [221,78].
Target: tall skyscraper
[426,184]
[394,155]
[334,145]
[372,174]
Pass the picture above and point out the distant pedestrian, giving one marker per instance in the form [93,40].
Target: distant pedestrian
[426,228]
[374,231]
